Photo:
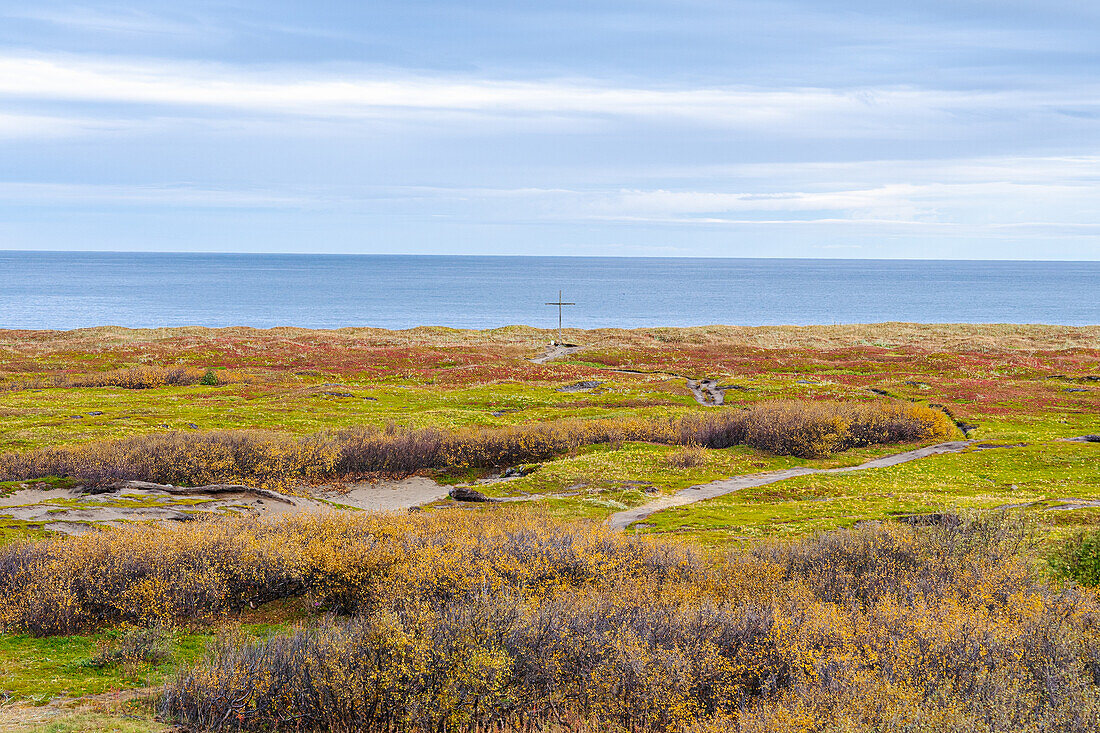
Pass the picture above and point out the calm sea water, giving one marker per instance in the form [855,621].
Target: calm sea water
[65,290]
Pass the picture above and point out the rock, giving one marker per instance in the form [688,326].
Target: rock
[579,386]
[516,471]
[931,520]
[463,493]
[642,486]
[1091,438]
[95,412]
[193,426]
[1076,389]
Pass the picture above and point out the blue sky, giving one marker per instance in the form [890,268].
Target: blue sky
[964,129]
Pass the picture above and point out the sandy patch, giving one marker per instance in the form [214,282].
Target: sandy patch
[387,496]
[71,512]
[33,496]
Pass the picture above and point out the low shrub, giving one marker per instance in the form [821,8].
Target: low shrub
[805,429]
[340,562]
[145,377]
[689,456]
[886,628]
[142,645]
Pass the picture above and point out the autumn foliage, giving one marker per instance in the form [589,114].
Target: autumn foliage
[458,621]
[339,561]
[805,429]
[137,377]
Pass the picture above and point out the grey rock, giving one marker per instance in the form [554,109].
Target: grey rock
[579,386]
[515,471]
[463,493]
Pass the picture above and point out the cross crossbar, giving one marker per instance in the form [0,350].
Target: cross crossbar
[559,304]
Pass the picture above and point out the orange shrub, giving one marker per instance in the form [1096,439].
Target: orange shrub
[889,628]
[338,561]
[146,377]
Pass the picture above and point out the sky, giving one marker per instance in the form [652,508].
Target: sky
[953,129]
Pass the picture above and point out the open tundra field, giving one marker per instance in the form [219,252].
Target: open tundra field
[883,527]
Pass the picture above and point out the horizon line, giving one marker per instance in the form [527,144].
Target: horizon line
[529,256]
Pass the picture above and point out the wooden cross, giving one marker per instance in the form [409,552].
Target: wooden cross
[559,304]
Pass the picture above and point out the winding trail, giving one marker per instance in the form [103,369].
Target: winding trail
[705,391]
[555,352]
[692,494]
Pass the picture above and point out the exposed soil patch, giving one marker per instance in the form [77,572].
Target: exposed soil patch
[707,391]
[73,511]
[556,352]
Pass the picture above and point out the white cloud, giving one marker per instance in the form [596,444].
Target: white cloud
[976,209]
[64,194]
[383,93]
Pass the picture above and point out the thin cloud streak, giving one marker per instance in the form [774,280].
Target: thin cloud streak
[976,209]
[377,94]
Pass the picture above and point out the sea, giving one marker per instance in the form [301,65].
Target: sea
[67,290]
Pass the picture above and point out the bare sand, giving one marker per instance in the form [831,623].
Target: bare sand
[70,511]
[388,496]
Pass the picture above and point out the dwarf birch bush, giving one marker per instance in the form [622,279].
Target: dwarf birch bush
[805,429]
[459,621]
[340,562]
[888,628]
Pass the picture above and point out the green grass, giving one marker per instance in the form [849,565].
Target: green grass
[36,670]
[1039,475]
[35,418]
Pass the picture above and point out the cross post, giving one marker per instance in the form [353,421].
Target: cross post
[559,304]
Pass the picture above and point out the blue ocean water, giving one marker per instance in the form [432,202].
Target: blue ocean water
[63,290]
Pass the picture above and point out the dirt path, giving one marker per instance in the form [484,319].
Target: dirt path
[555,352]
[705,391]
[692,494]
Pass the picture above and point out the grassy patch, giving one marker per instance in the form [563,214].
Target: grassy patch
[1039,475]
[36,670]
